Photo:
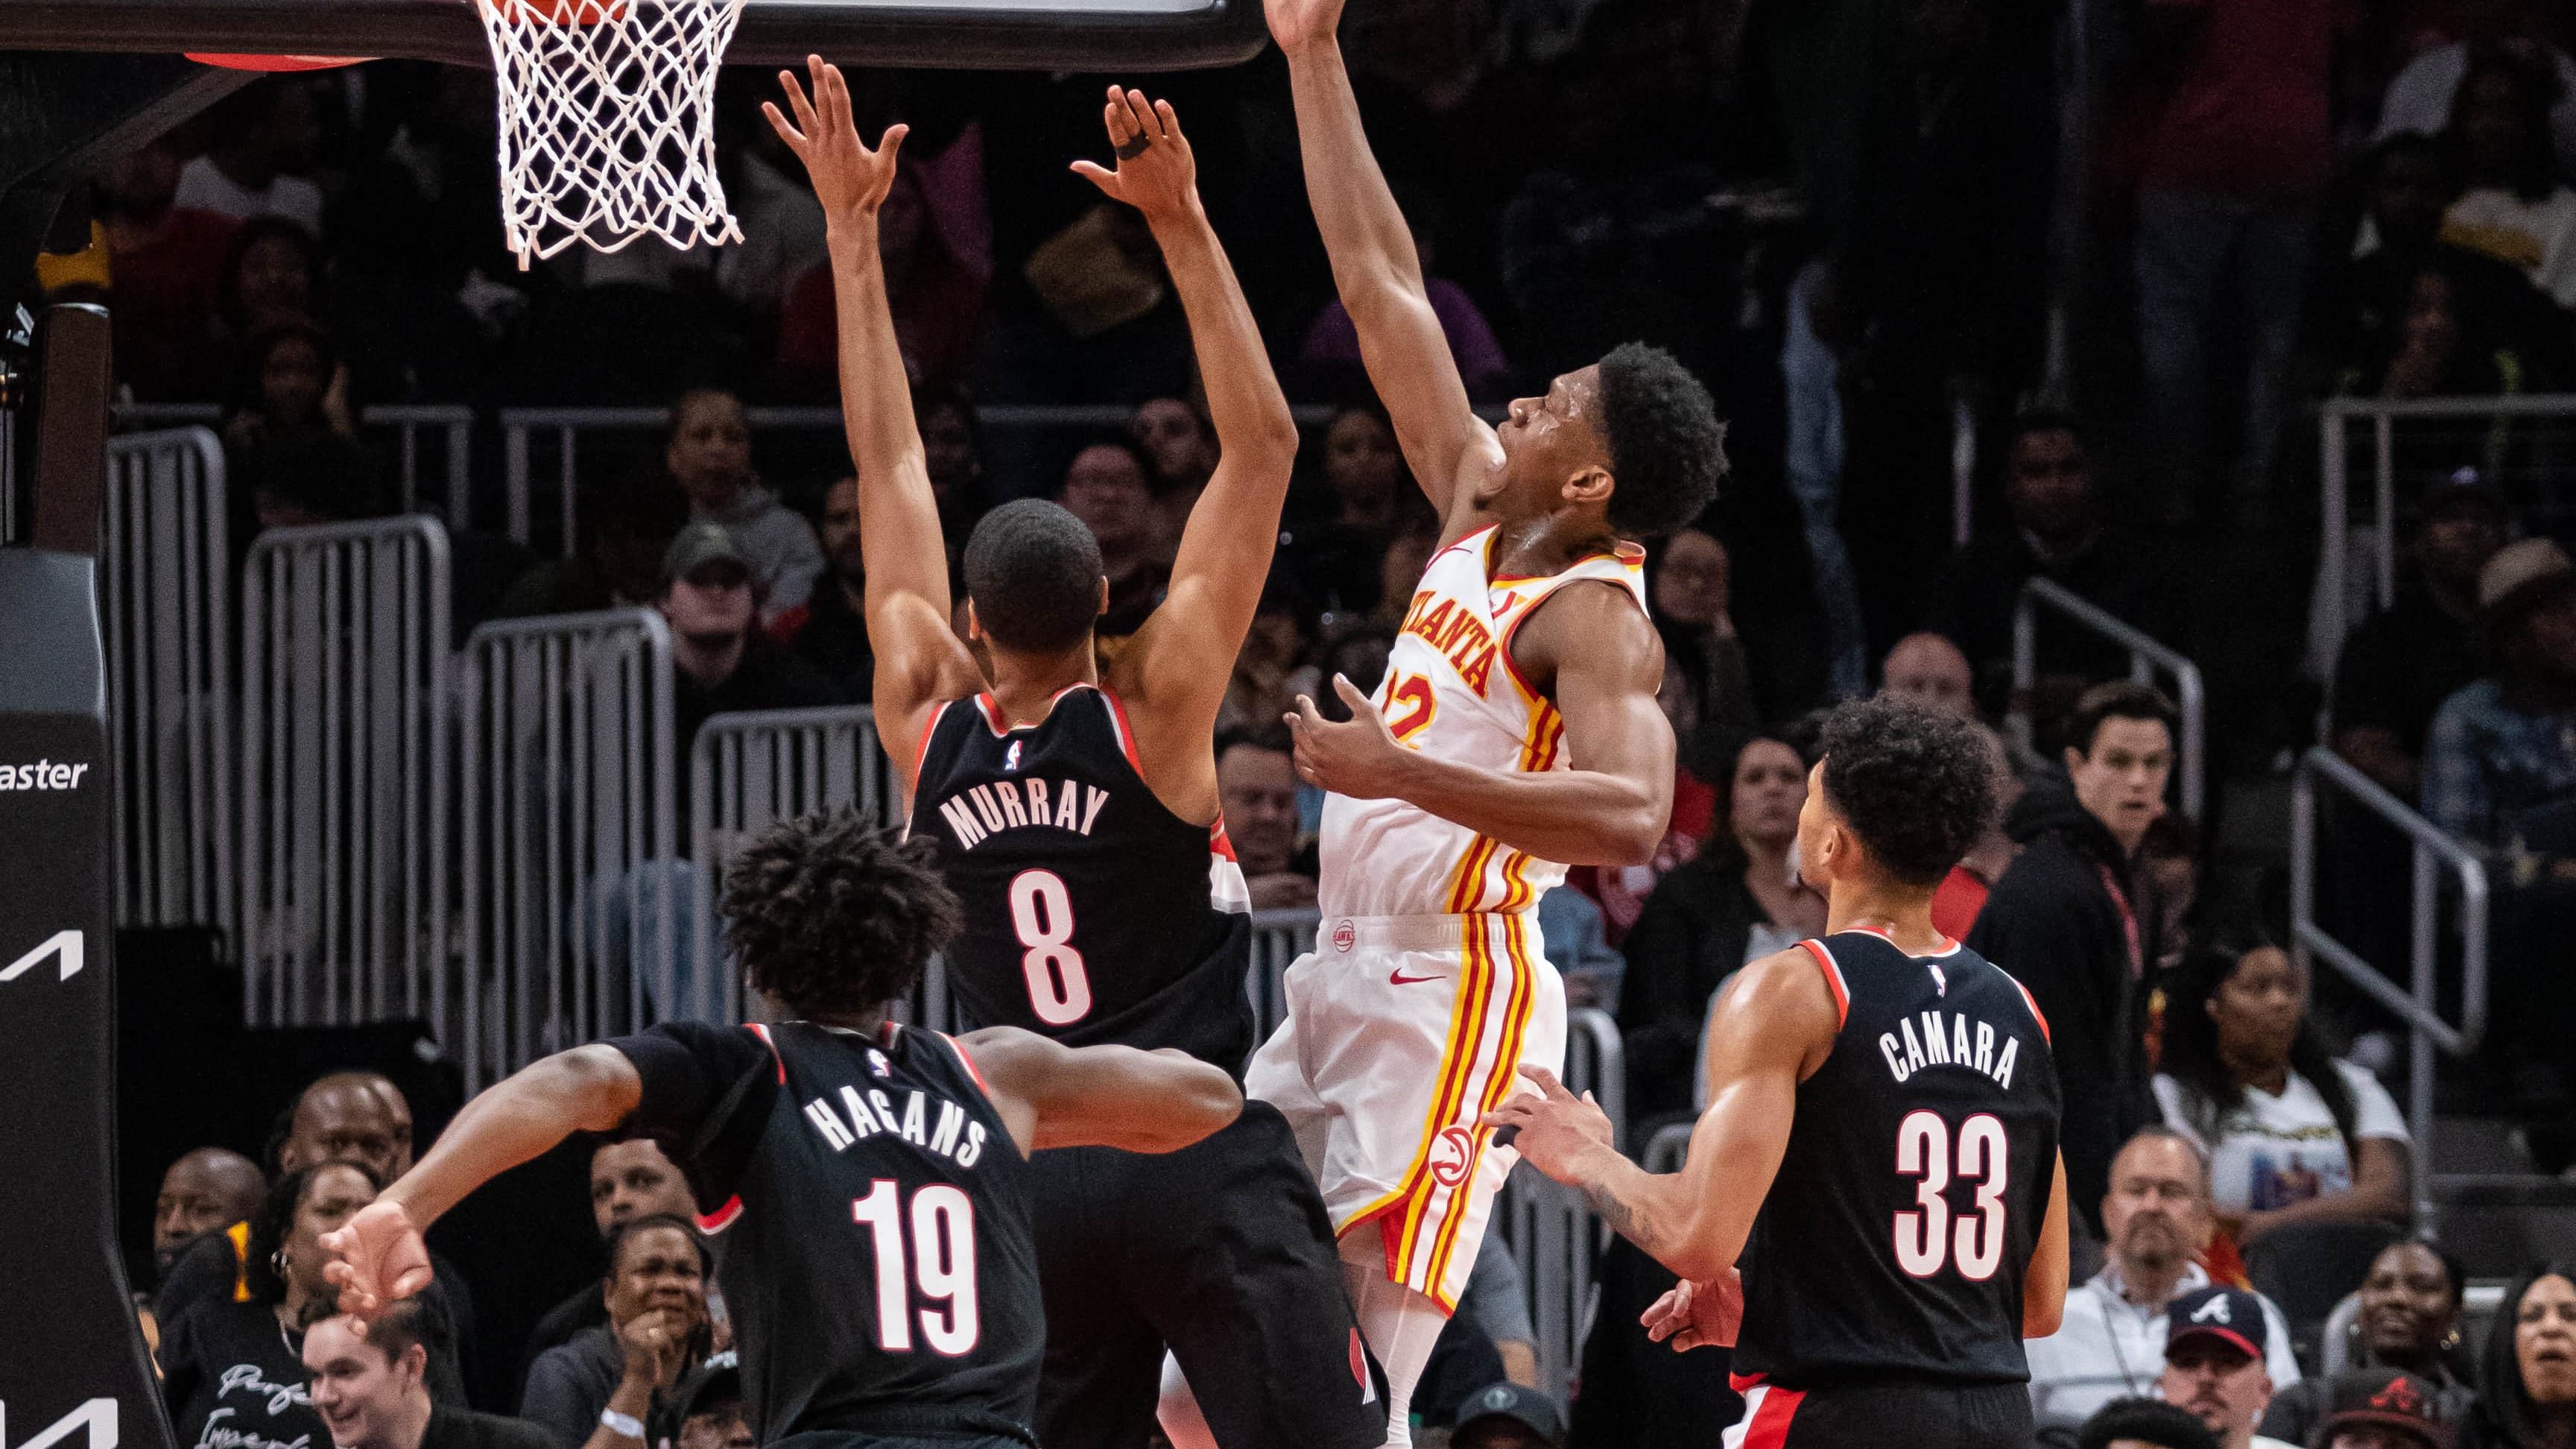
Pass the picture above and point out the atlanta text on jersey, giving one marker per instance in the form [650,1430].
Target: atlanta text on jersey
[1949,1039]
[987,809]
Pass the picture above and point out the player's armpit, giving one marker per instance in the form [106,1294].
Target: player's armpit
[1051,1095]
[921,664]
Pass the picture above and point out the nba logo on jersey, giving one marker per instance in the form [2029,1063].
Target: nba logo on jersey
[1011,761]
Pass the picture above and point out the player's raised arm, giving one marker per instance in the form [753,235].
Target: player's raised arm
[1376,268]
[379,1256]
[1774,1024]
[1602,662]
[920,662]
[1052,1095]
[1168,676]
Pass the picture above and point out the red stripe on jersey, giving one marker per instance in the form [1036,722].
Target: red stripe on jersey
[1833,981]
[959,1047]
[722,1218]
[993,719]
[2033,1005]
[921,756]
[762,1032]
[1126,732]
[1220,844]
[1768,1426]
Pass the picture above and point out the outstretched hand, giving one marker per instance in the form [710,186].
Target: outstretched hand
[1358,758]
[1156,174]
[1698,1315]
[1552,1128]
[850,180]
[377,1259]
[1299,23]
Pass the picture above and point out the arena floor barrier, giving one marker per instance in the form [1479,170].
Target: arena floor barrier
[344,718]
[574,894]
[165,588]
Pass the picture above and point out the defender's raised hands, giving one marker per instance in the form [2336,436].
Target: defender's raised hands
[1156,173]
[850,180]
[1296,24]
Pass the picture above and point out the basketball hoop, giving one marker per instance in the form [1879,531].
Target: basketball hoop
[608,121]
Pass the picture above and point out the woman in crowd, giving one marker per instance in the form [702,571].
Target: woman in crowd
[287,379]
[2293,1135]
[708,454]
[232,1372]
[657,1332]
[2409,1320]
[1737,902]
[2527,1377]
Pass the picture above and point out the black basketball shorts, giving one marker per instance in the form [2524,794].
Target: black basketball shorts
[1871,1413]
[1223,1252]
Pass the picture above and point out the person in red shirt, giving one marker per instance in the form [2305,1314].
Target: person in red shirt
[165,266]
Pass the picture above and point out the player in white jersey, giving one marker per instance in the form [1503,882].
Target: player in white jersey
[1515,733]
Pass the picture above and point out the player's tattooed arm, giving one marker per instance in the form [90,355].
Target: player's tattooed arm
[378,1256]
[1378,272]
[920,662]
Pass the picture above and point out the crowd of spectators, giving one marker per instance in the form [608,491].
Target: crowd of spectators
[2289,200]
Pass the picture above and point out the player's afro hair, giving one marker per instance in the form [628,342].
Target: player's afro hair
[1915,784]
[1667,448]
[833,917]
[1033,571]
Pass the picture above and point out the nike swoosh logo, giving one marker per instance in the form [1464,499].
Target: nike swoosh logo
[1398,978]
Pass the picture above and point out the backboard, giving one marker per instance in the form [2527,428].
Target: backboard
[1122,35]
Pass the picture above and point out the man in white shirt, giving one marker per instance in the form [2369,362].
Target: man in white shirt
[2112,1344]
[258,137]
[2213,1367]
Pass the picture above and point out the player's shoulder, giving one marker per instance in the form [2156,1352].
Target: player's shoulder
[1796,984]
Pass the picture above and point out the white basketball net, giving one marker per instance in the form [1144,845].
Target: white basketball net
[608,121]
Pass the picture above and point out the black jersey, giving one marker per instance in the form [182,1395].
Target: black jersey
[870,1219]
[1895,1238]
[1093,914]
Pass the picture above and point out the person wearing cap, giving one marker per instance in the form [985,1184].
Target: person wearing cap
[708,1408]
[370,1386]
[2507,743]
[1509,1416]
[720,660]
[708,454]
[2214,1364]
[2383,1409]
[2398,666]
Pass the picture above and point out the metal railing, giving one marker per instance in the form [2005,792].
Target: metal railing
[2146,656]
[1557,1240]
[344,773]
[2515,447]
[572,882]
[1278,939]
[747,771]
[2434,853]
[165,581]
[451,423]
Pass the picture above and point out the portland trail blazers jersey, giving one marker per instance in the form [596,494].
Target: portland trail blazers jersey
[1895,1239]
[1093,914]
[1450,691]
[869,1215]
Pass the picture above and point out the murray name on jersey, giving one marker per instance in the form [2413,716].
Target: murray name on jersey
[1949,1039]
[933,1123]
[989,809]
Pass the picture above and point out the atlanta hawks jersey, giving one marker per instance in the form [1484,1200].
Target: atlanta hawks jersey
[869,1214]
[1094,915]
[1450,691]
[1896,1235]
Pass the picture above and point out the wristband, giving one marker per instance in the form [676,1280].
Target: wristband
[625,1426]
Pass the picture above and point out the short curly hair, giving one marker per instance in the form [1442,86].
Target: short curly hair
[1915,784]
[834,917]
[1034,573]
[2147,1421]
[1667,447]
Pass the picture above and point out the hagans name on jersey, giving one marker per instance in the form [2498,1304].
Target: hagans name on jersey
[1001,805]
[956,1136]
[1949,1039]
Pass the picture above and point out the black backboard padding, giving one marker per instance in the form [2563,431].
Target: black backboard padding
[1130,35]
